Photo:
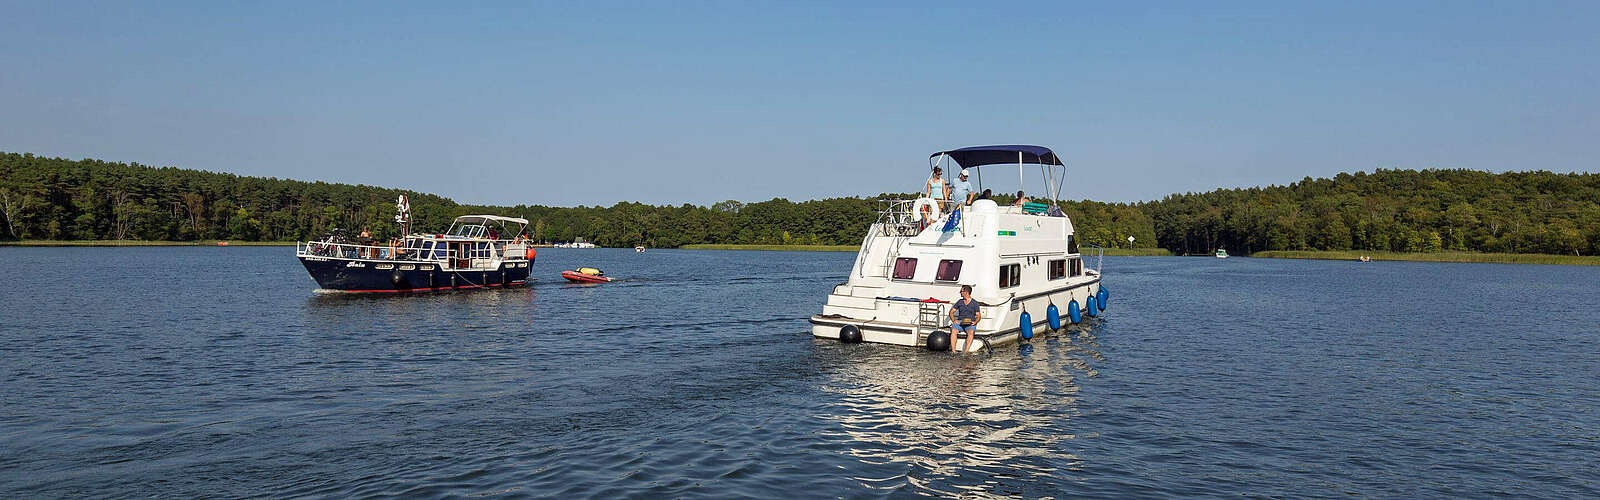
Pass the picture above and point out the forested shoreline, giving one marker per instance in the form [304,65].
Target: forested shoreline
[1387,210]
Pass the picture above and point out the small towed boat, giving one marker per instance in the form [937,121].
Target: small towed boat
[586,275]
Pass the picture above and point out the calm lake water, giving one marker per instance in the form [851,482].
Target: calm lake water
[188,372]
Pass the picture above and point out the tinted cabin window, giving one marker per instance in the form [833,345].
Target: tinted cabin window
[905,268]
[1010,275]
[1077,267]
[949,270]
[1058,269]
[1072,244]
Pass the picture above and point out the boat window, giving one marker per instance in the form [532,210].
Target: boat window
[949,270]
[1058,269]
[905,268]
[1010,275]
[1072,243]
[1077,267]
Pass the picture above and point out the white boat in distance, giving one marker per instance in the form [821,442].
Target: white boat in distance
[1022,262]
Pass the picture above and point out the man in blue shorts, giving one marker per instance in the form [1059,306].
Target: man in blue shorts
[964,315]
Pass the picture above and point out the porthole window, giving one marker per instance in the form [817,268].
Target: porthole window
[905,268]
[949,270]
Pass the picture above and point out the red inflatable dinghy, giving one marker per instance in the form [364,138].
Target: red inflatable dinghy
[586,275]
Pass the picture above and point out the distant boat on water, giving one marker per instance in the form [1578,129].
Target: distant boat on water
[1222,253]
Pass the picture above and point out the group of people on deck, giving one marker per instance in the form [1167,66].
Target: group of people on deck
[958,192]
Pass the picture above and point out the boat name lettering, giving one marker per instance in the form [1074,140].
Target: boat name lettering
[355,264]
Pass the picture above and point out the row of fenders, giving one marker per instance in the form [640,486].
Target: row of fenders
[1092,306]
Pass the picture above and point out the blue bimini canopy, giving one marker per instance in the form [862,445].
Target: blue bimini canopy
[978,156]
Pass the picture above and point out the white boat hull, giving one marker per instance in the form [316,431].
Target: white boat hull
[885,295]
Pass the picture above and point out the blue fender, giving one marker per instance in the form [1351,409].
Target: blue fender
[1027,325]
[1103,295]
[1091,306]
[1074,312]
[1053,315]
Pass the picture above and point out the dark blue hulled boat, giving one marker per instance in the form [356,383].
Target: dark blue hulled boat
[479,251]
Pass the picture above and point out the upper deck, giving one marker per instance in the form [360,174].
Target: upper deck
[472,241]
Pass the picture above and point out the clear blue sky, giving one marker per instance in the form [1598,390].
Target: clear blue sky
[670,102]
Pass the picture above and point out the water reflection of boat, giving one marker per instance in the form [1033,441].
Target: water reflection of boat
[1022,262]
[964,427]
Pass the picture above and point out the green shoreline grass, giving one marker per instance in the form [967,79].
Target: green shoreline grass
[139,243]
[1141,252]
[1504,258]
[1134,252]
[789,248]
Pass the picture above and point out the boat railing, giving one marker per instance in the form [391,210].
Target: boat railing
[1099,256]
[899,218]
[896,219]
[349,251]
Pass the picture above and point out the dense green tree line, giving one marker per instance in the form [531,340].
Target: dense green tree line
[1403,210]
[1396,210]
[54,198]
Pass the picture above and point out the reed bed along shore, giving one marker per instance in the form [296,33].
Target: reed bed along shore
[1505,258]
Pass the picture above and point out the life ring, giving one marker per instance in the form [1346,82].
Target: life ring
[925,204]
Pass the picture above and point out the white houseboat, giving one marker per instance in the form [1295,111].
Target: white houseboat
[1022,261]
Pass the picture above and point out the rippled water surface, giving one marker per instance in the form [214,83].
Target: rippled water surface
[187,372]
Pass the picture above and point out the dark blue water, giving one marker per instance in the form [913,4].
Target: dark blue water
[185,372]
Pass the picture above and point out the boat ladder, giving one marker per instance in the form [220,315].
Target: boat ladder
[929,316]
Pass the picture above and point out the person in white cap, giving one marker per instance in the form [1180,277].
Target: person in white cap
[961,190]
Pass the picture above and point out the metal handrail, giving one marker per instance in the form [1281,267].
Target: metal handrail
[1099,258]
[898,218]
[349,251]
[496,249]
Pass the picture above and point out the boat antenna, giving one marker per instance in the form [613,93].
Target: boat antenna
[403,215]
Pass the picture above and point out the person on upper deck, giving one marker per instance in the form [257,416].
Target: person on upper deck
[961,190]
[366,242]
[964,316]
[1021,200]
[935,187]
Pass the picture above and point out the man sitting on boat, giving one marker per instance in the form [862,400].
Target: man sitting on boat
[964,315]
